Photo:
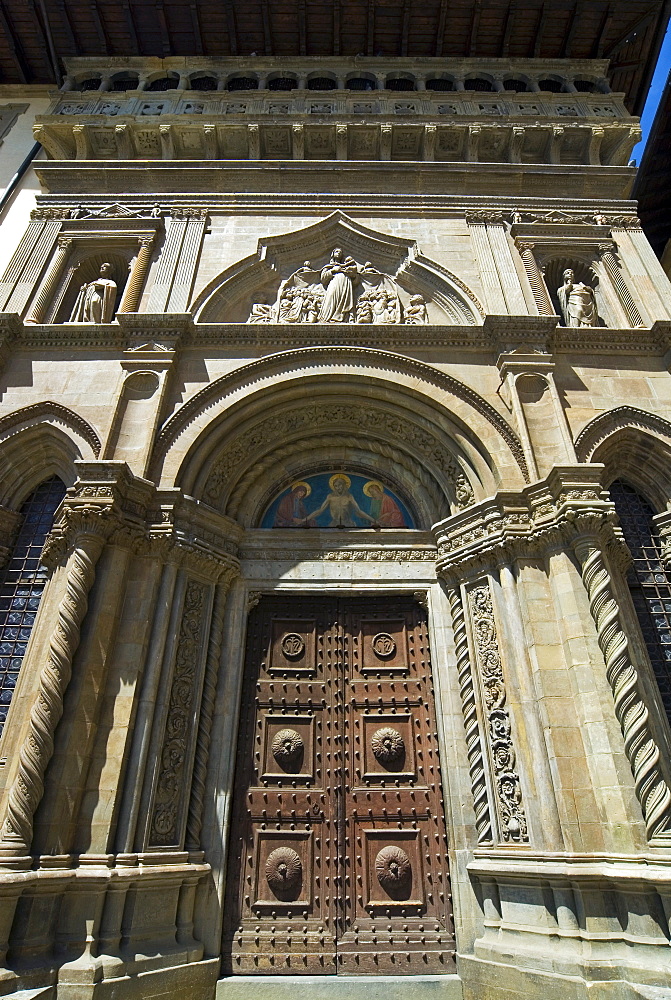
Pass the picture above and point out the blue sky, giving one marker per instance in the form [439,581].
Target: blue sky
[654,94]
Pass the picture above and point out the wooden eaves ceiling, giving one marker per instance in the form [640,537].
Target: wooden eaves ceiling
[35,35]
[653,180]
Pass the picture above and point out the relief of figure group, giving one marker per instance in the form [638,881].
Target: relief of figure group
[343,291]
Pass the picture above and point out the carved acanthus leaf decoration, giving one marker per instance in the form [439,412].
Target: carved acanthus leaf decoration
[171,786]
[510,809]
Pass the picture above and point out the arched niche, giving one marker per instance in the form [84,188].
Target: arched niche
[242,292]
[593,273]
[84,267]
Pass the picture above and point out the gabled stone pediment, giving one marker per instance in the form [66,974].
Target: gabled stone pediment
[338,271]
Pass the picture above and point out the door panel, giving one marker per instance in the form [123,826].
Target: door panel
[338,851]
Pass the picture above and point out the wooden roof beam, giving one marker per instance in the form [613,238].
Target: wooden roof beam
[232,28]
[336,27]
[97,22]
[405,30]
[302,28]
[440,30]
[195,24]
[163,25]
[14,46]
[508,30]
[570,34]
[66,24]
[600,40]
[267,29]
[539,30]
[475,25]
[642,22]
[370,29]
[130,24]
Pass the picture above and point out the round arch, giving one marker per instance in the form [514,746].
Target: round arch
[260,419]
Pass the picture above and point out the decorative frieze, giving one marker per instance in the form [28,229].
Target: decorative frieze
[509,805]
[172,781]
[392,131]
[476,760]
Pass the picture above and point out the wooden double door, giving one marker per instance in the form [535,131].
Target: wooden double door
[338,854]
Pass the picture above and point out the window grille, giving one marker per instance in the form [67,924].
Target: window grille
[649,582]
[23,584]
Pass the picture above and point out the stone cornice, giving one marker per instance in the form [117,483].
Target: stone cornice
[281,183]
[497,334]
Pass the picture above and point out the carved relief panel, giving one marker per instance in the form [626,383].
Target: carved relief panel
[338,853]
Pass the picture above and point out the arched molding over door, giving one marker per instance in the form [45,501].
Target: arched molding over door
[492,454]
[634,446]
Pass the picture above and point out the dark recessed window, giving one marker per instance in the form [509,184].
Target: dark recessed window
[204,83]
[322,83]
[553,86]
[586,86]
[23,584]
[124,83]
[164,83]
[400,83]
[243,83]
[92,84]
[649,582]
[478,83]
[360,83]
[519,86]
[282,83]
[441,85]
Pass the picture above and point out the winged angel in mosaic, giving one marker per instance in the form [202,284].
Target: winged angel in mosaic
[343,291]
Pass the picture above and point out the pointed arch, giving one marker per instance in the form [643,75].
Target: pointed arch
[634,446]
[40,441]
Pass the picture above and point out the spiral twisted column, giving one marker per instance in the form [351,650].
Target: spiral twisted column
[476,766]
[641,748]
[28,786]
[195,818]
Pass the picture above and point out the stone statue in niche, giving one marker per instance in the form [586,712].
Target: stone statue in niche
[343,291]
[577,302]
[96,300]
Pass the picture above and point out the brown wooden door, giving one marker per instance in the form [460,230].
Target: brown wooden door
[338,859]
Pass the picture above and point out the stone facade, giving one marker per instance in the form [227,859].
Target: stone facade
[217,295]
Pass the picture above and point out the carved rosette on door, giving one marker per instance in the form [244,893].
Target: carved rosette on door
[338,857]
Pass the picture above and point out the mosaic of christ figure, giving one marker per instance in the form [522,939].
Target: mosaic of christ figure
[337,500]
[341,505]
